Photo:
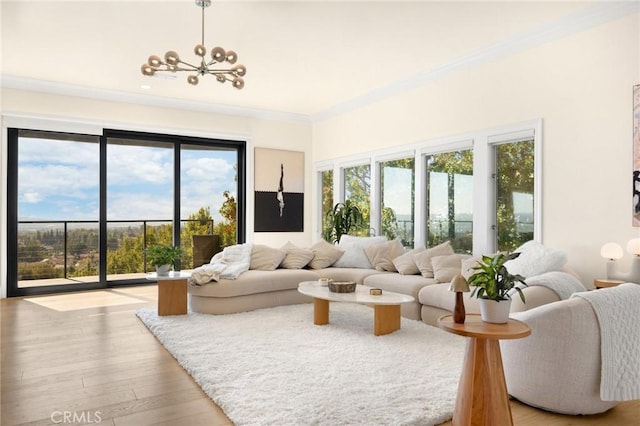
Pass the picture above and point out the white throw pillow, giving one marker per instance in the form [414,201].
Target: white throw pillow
[324,255]
[265,258]
[423,259]
[354,255]
[381,255]
[405,263]
[536,259]
[297,257]
[447,267]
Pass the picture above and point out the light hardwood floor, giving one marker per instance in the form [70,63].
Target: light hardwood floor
[86,354]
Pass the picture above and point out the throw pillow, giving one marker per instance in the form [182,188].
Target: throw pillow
[324,255]
[423,259]
[296,257]
[467,267]
[405,263]
[381,255]
[353,247]
[536,259]
[265,258]
[447,267]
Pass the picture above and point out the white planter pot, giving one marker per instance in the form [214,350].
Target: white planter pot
[494,311]
[163,270]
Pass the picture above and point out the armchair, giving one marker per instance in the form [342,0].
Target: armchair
[557,368]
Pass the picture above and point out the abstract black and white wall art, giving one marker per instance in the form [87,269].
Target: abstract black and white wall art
[279,190]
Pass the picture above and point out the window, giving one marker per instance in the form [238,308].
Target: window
[514,182]
[449,183]
[397,186]
[326,191]
[479,190]
[357,188]
[82,209]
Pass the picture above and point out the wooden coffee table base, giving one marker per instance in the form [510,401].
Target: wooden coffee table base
[386,318]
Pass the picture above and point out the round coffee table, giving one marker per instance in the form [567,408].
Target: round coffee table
[386,307]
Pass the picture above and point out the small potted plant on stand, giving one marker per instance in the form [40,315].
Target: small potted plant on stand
[163,257]
[493,284]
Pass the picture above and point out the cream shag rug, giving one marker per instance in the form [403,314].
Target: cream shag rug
[275,367]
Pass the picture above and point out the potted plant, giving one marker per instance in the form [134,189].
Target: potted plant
[342,219]
[493,284]
[163,257]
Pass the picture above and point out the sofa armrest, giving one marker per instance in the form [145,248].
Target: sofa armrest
[534,296]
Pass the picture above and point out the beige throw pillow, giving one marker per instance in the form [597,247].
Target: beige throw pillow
[297,257]
[354,256]
[265,258]
[467,267]
[381,255]
[324,255]
[423,259]
[447,267]
[405,264]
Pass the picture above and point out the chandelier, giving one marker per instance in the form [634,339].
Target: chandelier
[173,63]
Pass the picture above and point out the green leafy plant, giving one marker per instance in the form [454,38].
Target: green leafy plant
[342,219]
[161,254]
[493,281]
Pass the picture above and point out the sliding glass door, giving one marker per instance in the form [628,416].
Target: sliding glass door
[82,208]
[56,212]
[140,202]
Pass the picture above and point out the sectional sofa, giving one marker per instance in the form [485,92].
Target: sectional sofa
[273,276]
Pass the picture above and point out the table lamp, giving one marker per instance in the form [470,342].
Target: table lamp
[613,251]
[459,285]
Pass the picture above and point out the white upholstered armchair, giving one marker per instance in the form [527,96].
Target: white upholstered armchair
[559,366]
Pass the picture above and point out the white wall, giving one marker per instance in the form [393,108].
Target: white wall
[580,85]
[66,113]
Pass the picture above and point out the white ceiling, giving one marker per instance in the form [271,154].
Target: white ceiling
[302,57]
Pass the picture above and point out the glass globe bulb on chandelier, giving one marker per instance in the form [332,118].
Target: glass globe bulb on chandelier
[173,63]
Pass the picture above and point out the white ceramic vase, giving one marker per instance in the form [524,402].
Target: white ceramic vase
[163,270]
[494,311]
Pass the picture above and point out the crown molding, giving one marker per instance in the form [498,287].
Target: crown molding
[33,85]
[570,24]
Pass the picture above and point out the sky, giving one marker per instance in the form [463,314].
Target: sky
[59,180]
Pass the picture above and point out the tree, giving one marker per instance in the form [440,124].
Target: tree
[227,228]
[515,174]
[358,190]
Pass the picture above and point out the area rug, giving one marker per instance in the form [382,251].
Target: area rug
[275,367]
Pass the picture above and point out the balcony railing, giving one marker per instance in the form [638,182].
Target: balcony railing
[69,249]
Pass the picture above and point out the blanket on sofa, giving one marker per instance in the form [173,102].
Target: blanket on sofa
[561,283]
[619,318]
[228,264]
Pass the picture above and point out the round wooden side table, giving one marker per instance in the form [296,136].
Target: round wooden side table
[602,283]
[482,392]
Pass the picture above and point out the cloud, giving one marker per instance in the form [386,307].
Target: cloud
[37,183]
[139,164]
